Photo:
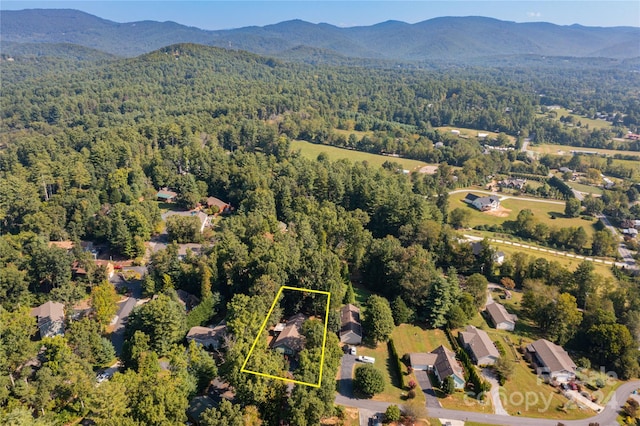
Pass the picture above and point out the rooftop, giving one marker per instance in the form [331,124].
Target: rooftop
[554,357]
[479,342]
[498,313]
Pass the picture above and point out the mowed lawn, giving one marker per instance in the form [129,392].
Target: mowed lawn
[593,123]
[311,151]
[411,338]
[549,213]
[471,133]
[566,150]
[393,392]
[524,394]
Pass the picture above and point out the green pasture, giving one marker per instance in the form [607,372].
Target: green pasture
[311,151]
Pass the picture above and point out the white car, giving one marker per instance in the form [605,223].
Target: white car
[102,377]
[367,359]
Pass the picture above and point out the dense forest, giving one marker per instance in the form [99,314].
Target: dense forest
[85,147]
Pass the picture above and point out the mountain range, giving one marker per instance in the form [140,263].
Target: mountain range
[447,38]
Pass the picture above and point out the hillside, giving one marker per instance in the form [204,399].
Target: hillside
[447,38]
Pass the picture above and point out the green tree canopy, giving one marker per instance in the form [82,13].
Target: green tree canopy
[368,380]
[378,320]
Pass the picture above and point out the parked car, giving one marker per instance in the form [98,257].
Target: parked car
[351,350]
[367,359]
[102,377]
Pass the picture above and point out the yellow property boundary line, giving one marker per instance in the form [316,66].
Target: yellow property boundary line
[264,324]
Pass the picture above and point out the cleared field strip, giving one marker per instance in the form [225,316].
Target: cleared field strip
[311,151]
[566,150]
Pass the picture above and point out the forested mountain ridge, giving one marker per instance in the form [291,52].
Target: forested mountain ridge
[447,38]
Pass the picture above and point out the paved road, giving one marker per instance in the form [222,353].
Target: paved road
[124,309]
[126,306]
[606,417]
[629,261]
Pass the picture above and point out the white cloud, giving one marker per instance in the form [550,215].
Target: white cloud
[534,14]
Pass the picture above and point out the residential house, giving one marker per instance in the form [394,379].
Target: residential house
[455,132]
[499,317]
[498,257]
[197,406]
[109,268]
[422,361]
[446,365]
[630,223]
[483,204]
[551,361]
[210,338]
[478,344]
[513,183]
[631,232]
[167,196]
[50,317]
[217,204]
[289,341]
[483,135]
[351,329]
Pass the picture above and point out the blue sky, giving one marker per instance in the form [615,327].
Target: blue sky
[212,15]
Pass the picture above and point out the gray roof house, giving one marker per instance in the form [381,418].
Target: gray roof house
[290,341]
[478,344]
[350,330]
[551,361]
[499,317]
[423,360]
[210,338]
[50,317]
[446,365]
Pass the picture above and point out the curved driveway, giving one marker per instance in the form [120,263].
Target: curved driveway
[606,417]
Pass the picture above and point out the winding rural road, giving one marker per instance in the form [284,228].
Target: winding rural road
[606,417]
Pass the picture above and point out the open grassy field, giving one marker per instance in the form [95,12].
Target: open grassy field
[549,213]
[347,133]
[410,338]
[568,262]
[585,188]
[593,124]
[311,151]
[471,133]
[566,150]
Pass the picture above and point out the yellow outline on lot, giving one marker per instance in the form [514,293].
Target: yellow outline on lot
[264,324]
